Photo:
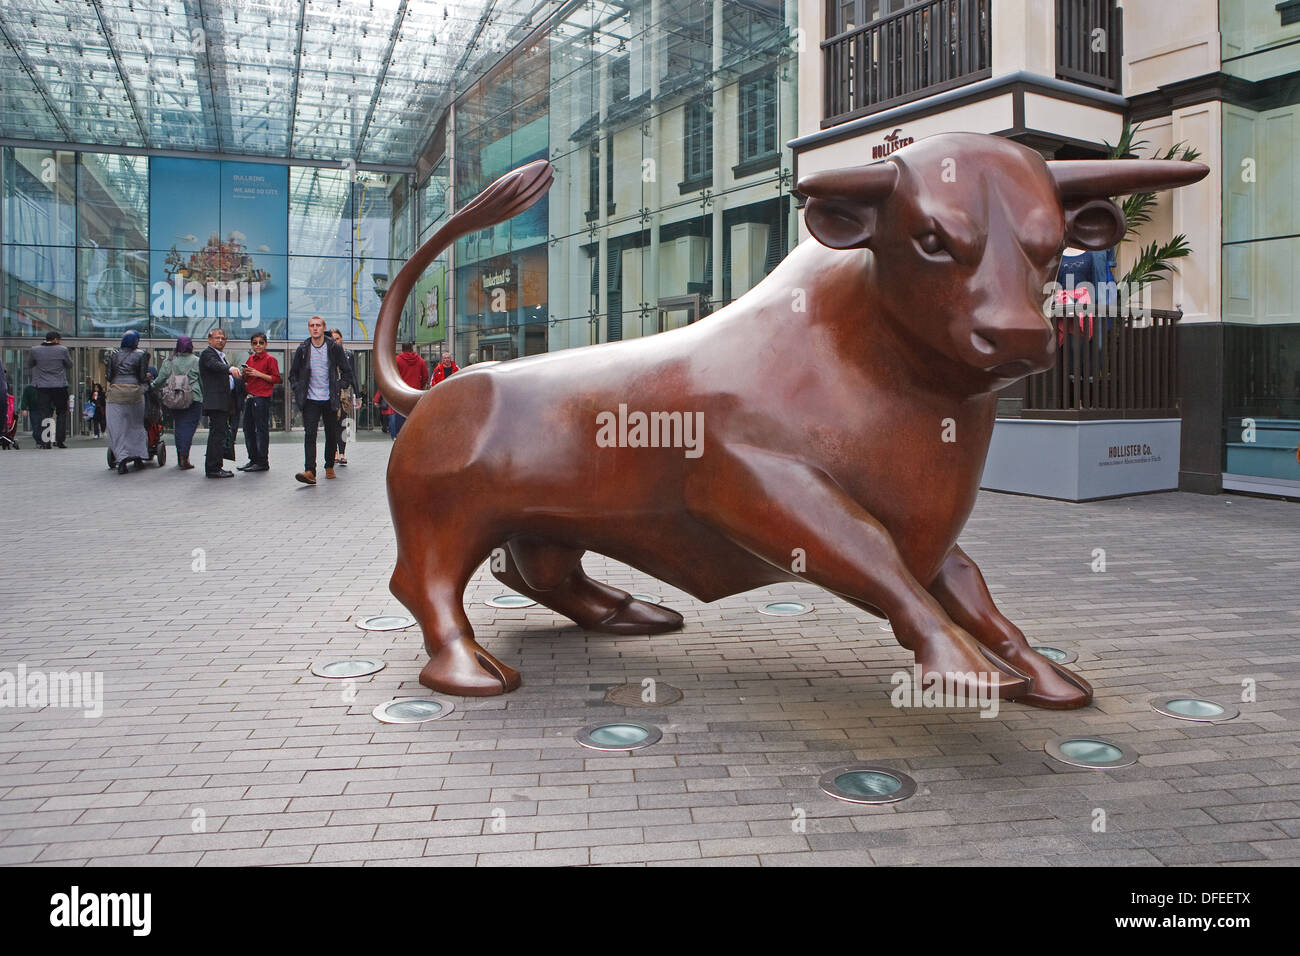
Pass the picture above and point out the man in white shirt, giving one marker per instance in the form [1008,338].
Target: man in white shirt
[320,371]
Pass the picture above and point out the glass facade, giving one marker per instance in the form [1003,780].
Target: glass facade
[94,244]
[665,120]
[1261,244]
[666,123]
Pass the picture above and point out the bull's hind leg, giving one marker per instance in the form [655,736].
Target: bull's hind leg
[552,575]
[434,564]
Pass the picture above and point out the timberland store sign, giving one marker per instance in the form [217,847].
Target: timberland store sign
[1080,461]
[495,280]
[893,141]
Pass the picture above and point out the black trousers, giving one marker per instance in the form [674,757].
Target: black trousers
[51,402]
[313,413]
[215,459]
[257,428]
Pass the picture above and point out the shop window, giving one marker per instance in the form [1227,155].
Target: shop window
[698,144]
[758,131]
[620,79]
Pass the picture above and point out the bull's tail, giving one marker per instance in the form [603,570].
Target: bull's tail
[504,199]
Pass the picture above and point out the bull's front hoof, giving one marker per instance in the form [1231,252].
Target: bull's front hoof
[631,616]
[1053,686]
[466,669]
[973,671]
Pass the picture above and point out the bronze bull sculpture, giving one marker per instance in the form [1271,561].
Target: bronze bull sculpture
[921,298]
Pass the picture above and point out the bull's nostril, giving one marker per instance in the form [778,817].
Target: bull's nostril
[982,343]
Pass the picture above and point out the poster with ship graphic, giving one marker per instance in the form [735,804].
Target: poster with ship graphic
[219,234]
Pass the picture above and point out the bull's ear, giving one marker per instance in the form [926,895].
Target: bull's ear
[843,204]
[1078,179]
[1094,224]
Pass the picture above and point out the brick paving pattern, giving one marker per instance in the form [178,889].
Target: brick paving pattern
[217,747]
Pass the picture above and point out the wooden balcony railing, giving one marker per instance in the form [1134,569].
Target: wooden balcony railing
[920,50]
[1090,42]
[1123,366]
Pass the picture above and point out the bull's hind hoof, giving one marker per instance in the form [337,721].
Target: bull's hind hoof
[466,669]
[631,616]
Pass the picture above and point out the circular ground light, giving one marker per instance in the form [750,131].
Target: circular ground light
[385,622]
[1193,708]
[1091,753]
[510,600]
[1056,655]
[649,598]
[349,667]
[632,695]
[867,784]
[785,608]
[624,735]
[412,710]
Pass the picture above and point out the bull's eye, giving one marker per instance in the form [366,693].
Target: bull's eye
[930,243]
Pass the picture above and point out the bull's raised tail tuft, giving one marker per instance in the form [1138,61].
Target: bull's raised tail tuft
[504,199]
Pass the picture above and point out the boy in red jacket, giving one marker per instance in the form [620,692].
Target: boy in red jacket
[261,375]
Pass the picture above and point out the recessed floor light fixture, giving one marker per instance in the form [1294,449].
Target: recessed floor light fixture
[510,600]
[1056,655]
[785,608]
[649,598]
[634,695]
[348,667]
[624,735]
[867,784]
[1184,707]
[1091,753]
[385,622]
[412,710]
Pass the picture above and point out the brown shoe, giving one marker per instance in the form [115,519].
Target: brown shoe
[306,477]
[329,472]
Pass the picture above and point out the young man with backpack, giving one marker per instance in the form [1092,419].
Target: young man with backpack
[181,391]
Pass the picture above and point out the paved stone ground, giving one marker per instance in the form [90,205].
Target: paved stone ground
[213,724]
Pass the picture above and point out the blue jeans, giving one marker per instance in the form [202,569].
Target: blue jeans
[395,423]
[187,420]
[257,428]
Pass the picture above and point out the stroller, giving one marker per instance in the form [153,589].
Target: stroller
[9,434]
[153,426]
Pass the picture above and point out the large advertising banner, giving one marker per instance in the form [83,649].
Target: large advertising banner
[429,299]
[219,235]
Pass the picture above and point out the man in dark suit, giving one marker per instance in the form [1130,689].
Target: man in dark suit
[218,377]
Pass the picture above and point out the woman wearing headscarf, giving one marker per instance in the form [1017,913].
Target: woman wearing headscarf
[185,363]
[128,376]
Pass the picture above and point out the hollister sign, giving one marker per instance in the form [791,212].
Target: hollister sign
[893,141]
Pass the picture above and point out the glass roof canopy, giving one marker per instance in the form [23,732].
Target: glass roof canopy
[326,80]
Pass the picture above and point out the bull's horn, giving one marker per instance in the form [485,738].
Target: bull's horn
[1099,178]
[857,183]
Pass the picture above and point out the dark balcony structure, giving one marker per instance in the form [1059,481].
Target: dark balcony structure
[884,53]
[1090,42]
[923,48]
[1121,366]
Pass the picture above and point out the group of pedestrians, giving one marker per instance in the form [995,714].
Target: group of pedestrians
[322,381]
[414,372]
